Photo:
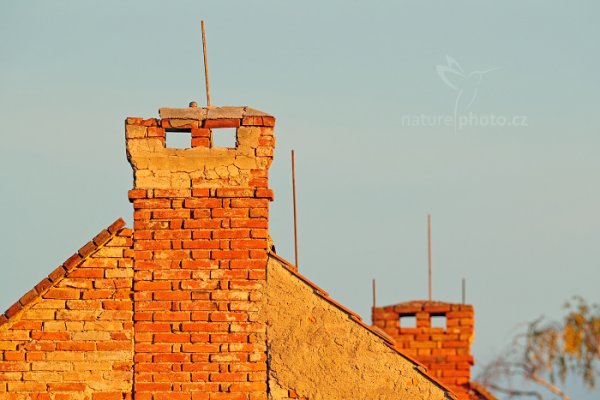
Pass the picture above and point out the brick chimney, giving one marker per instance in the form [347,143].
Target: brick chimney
[200,253]
[437,334]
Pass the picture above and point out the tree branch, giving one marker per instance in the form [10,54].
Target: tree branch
[515,392]
[554,389]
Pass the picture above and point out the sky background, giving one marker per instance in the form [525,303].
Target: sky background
[514,208]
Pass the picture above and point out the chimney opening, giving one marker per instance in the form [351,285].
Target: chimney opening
[438,321]
[408,321]
[224,137]
[178,138]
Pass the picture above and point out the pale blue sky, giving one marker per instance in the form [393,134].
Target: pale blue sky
[514,208]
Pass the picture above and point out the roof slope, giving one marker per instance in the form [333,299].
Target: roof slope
[478,392]
[321,349]
[61,271]
[71,337]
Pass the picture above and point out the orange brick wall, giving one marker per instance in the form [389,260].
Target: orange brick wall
[71,336]
[200,250]
[446,352]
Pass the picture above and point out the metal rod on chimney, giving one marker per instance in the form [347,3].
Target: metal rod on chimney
[374,294]
[205,66]
[464,290]
[429,250]
[295,220]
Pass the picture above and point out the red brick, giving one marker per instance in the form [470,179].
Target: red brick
[249,244]
[252,121]
[227,396]
[171,214]
[85,251]
[201,192]
[43,285]
[101,238]
[116,226]
[229,254]
[28,297]
[235,192]
[268,121]
[265,193]
[134,194]
[231,234]
[133,121]
[200,142]
[12,310]
[228,316]
[156,132]
[221,123]
[56,336]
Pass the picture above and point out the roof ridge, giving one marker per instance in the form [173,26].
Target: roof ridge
[356,318]
[62,270]
[480,390]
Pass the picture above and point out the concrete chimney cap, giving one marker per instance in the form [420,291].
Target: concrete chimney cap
[202,113]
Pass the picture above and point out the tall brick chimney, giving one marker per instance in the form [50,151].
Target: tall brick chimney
[200,253]
[437,334]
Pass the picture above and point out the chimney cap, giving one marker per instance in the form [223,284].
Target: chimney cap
[202,113]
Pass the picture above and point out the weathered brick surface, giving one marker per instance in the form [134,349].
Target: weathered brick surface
[200,249]
[74,339]
[446,352]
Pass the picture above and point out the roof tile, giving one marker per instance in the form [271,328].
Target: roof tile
[12,310]
[28,297]
[87,249]
[58,273]
[72,262]
[116,226]
[101,238]
[43,285]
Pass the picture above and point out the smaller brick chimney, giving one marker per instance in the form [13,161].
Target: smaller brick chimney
[437,334]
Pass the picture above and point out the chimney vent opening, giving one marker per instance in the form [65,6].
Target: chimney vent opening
[224,137]
[438,321]
[178,139]
[408,321]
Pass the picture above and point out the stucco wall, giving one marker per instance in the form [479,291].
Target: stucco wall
[315,351]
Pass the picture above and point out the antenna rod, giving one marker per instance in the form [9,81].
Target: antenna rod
[429,250]
[374,294]
[464,290]
[294,197]
[205,66]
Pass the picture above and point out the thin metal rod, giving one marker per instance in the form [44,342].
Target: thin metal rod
[205,65]
[429,250]
[295,220]
[464,290]
[374,294]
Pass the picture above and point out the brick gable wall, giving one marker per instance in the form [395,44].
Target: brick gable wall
[72,337]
